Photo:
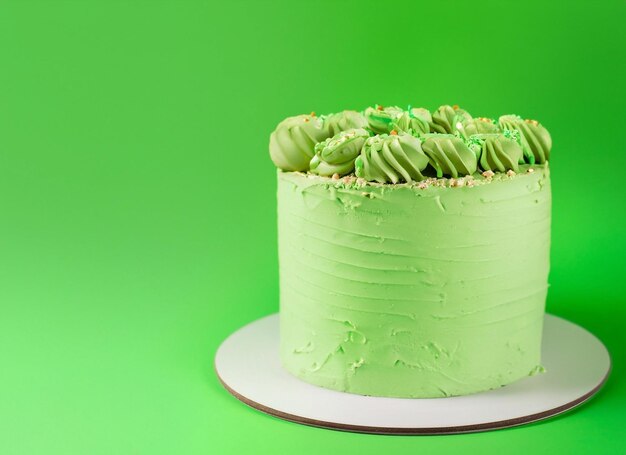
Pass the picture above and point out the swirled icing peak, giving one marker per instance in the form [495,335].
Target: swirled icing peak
[449,155]
[496,152]
[535,139]
[336,155]
[293,141]
[344,120]
[446,119]
[415,121]
[478,125]
[380,118]
[391,158]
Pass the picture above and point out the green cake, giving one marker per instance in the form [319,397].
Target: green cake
[413,249]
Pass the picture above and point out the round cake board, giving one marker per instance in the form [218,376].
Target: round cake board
[577,365]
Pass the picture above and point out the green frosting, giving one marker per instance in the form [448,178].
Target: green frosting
[497,152]
[449,155]
[479,125]
[345,120]
[403,291]
[421,118]
[535,139]
[414,121]
[446,119]
[380,119]
[336,155]
[293,141]
[391,158]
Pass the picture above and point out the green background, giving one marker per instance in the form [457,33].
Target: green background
[138,199]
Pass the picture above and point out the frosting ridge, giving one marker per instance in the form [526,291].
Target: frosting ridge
[293,141]
[449,155]
[336,155]
[391,158]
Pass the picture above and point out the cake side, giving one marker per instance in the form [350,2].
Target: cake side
[413,290]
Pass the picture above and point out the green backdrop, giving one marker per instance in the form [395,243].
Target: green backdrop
[138,199]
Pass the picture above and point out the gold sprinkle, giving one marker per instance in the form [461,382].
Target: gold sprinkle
[510,172]
[488,174]
[335,176]
[455,107]
[530,170]
[306,119]
[422,185]
[312,114]
[532,122]
[380,108]
[393,133]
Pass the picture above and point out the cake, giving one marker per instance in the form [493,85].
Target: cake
[413,249]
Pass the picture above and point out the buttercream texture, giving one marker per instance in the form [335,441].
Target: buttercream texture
[413,291]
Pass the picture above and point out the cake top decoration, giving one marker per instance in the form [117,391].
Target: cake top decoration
[389,144]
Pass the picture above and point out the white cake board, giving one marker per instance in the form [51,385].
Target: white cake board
[577,364]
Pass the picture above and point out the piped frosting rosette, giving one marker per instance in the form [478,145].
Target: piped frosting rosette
[496,152]
[380,119]
[293,141]
[535,139]
[449,155]
[446,119]
[415,121]
[391,158]
[336,155]
[478,125]
[343,121]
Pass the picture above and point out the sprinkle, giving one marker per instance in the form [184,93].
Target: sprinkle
[393,132]
[530,170]
[422,185]
[312,114]
[306,119]
[510,172]
[488,174]
[471,183]
[532,122]
[380,108]
[455,107]
[335,176]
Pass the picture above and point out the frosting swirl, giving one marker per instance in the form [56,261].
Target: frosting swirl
[380,118]
[336,155]
[497,152]
[391,158]
[345,120]
[478,125]
[414,121]
[449,155]
[445,120]
[292,142]
[535,139]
